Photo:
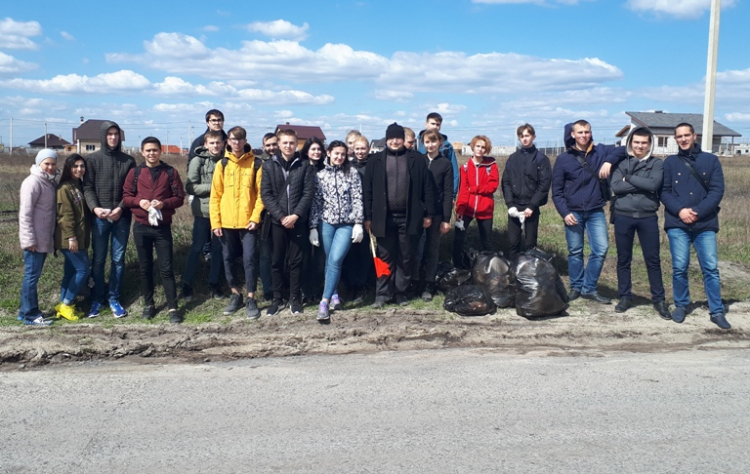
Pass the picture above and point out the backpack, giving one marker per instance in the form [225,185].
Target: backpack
[170,175]
[256,164]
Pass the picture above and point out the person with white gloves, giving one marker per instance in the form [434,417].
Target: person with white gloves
[337,209]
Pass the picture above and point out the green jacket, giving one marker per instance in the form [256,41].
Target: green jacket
[73,216]
[199,178]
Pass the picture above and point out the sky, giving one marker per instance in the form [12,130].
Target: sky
[486,66]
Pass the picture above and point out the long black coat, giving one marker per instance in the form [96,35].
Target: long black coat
[421,199]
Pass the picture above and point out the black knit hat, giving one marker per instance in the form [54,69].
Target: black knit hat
[394,130]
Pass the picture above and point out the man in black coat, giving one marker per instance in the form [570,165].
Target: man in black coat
[399,203]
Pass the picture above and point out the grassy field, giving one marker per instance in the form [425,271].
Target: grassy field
[733,239]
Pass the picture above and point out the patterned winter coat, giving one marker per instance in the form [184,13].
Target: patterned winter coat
[338,197]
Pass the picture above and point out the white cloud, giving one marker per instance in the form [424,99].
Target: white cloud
[392,95]
[283,114]
[677,8]
[107,83]
[11,66]
[210,28]
[16,34]
[535,2]
[67,36]
[737,117]
[279,29]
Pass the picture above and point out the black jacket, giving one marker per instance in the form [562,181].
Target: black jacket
[294,198]
[106,170]
[526,179]
[421,200]
[441,171]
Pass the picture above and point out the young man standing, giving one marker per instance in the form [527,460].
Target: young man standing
[152,192]
[526,181]
[288,190]
[235,207]
[265,245]
[410,138]
[270,146]
[692,191]
[103,182]
[399,204]
[214,123]
[578,191]
[434,121]
[636,182]
[200,177]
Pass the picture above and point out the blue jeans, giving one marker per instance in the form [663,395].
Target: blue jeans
[704,243]
[33,264]
[101,232]
[77,267]
[201,236]
[584,278]
[336,242]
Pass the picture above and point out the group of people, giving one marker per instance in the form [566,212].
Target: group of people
[304,220]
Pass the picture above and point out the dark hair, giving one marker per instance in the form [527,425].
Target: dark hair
[240,134]
[286,131]
[642,132]
[525,128]
[306,148]
[684,124]
[148,140]
[434,116]
[337,144]
[267,136]
[214,112]
[213,134]
[67,172]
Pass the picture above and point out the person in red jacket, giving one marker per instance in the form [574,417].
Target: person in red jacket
[478,183]
[153,191]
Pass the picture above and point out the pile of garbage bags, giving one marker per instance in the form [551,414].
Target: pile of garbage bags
[530,283]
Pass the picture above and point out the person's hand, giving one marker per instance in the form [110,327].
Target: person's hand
[570,219]
[252,226]
[101,213]
[605,170]
[688,216]
[289,221]
[145,204]
[528,213]
[157,204]
[31,249]
[445,227]
[460,223]
[426,222]
[115,214]
[367,225]
[218,232]
[357,233]
[314,237]
[73,245]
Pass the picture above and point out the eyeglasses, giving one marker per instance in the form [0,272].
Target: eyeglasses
[216,120]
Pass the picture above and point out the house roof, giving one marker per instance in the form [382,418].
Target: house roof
[53,141]
[90,131]
[666,120]
[378,143]
[303,131]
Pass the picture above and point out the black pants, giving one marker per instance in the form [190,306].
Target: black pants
[399,250]
[648,236]
[147,238]
[531,228]
[431,253]
[237,243]
[289,248]
[459,236]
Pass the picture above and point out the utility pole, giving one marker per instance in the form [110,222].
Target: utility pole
[11,136]
[45,134]
[713,52]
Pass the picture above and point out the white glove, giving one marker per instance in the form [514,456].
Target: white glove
[460,224]
[513,212]
[154,216]
[314,237]
[357,233]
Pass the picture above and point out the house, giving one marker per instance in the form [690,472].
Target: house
[303,133]
[87,137]
[52,141]
[377,145]
[172,150]
[741,149]
[663,124]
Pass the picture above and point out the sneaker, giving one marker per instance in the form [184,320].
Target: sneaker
[251,309]
[401,299]
[187,292]
[235,303]
[175,317]
[323,313]
[66,311]
[117,310]
[359,297]
[38,322]
[96,308]
[335,302]
[217,293]
[720,320]
[275,308]
[295,307]
[379,303]
[149,311]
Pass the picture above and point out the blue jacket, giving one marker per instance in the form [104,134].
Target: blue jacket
[446,149]
[573,187]
[682,190]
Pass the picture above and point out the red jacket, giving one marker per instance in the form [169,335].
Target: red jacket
[476,187]
[172,196]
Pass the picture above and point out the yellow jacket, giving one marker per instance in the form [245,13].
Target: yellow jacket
[235,193]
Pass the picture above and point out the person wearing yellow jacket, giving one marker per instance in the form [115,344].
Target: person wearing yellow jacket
[235,206]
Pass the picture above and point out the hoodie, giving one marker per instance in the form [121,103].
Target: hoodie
[106,170]
[636,182]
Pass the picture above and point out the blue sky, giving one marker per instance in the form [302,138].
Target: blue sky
[486,65]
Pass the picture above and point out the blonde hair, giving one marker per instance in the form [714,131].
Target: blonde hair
[486,140]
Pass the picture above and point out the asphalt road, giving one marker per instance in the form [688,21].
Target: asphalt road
[427,411]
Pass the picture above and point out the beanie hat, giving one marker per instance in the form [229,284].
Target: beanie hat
[394,130]
[44,154]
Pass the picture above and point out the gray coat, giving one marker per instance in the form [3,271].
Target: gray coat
[199,178]
[636,183]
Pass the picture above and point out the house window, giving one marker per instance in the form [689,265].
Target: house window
[90,147]
[662,142]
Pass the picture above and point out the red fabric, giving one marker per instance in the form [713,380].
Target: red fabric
[149,190]
[381,268]
[476,189]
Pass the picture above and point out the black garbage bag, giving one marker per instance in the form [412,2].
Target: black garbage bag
[492,271]
[467,259]
[469,300]
[539,288]
[453,278]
